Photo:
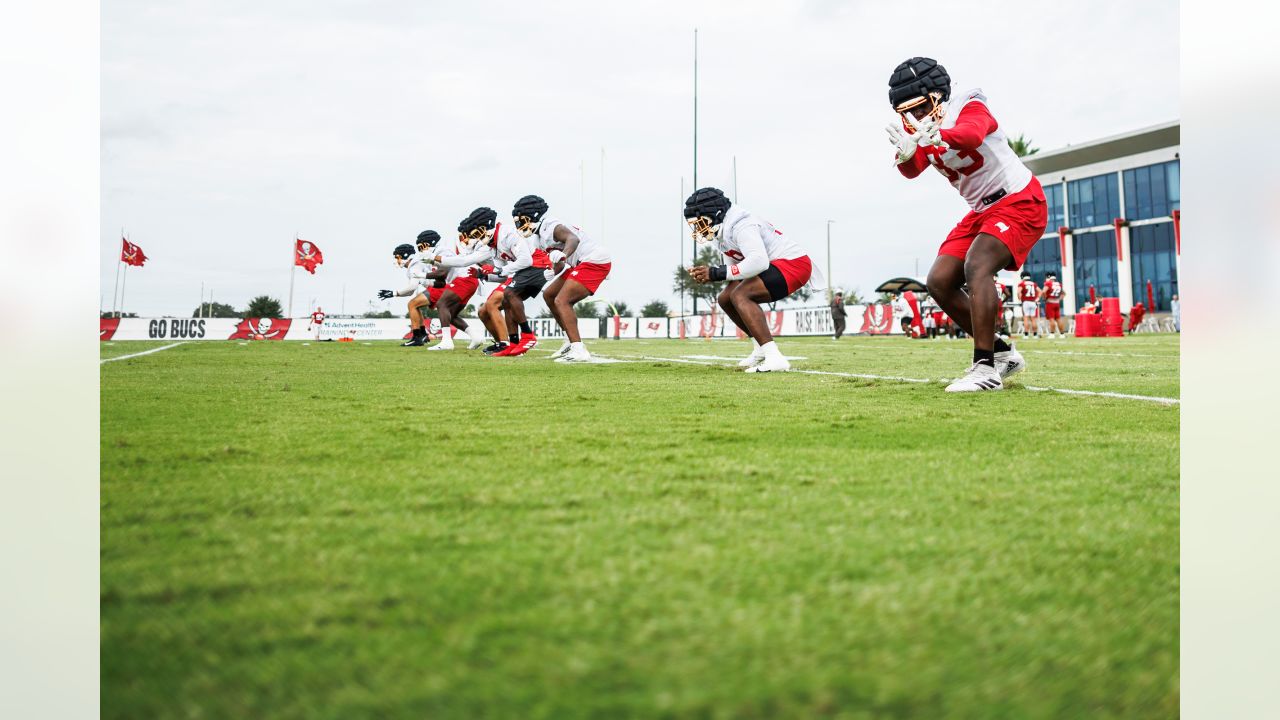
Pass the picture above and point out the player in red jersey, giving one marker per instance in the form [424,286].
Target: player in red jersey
[1028,295]
[1007,214]
[317,319]
[1051,293]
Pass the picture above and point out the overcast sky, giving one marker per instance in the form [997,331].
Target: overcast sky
[229,125]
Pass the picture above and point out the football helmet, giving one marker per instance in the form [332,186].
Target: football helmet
[917,89]
[704,210]
[428,239]
[402,253]
[528,213]
[1050,275]
[1026,275]
[479,224]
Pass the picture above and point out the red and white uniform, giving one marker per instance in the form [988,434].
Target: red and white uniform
[589,264]
[1052,299]
[753,245]
[513,252]
[459,256]
[1005,199]
[317,319]
[1028,293]
[999,293]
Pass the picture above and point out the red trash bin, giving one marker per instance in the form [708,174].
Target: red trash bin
[1087,324]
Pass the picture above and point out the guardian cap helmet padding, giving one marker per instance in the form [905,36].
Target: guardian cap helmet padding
[704,210]
[918,81]
[478,223]
[528,214]
[428,238]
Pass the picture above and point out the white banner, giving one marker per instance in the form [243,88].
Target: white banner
[297,328]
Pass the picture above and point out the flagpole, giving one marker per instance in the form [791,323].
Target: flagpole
[200,307]
[293,270]
[123,284]
[115,289]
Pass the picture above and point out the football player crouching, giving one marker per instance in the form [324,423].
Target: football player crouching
[416,269]
[764,266]
[452,269]
[578,265]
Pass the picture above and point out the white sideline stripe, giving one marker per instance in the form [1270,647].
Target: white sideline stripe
[1072,352]
[144,352]
[867,376]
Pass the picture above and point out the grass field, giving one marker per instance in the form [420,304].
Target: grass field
[363,530]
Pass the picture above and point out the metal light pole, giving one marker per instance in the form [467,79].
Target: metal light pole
[695,145]
[831,291]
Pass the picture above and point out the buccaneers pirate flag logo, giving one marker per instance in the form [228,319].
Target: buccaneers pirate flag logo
[131,254]
[877,319]
[306,254]
[261,329]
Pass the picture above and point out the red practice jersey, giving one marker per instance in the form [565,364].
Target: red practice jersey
[1027,291]
[1052,291]
[317,318]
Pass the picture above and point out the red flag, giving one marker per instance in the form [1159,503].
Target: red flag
[131,254]
[1093,296]
[1151,298]
[306,254]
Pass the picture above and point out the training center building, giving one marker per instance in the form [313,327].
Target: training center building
[1114,217]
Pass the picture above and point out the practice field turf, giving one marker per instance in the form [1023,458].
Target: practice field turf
[350,530]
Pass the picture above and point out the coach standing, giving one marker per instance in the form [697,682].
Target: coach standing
[838,314]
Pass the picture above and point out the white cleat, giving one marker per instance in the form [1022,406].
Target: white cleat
[755,358]
[442,346]
[1010,363]
[564,350]
[476,342]
[770,364]
[575,355]
[979,378]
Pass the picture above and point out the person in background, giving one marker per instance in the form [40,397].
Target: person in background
[838,314]
[1176,308]
[317,319]
[1135,316]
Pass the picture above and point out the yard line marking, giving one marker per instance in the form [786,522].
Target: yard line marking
[734,359]
[144,352]
[868,376]
[1075,352]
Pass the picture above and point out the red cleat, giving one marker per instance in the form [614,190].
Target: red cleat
[526,343]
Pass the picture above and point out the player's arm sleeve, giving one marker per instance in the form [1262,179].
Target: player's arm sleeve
[411,290]
[913,167]
[524,259]
[474,258]
[973,125]
[755,259]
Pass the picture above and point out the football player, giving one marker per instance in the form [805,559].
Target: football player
[520,268]
[453,268]
[317,320]
[478,231]
[765,266]
[1051,293]
[962,140]
[578,263]
[1029,294]
[416,269]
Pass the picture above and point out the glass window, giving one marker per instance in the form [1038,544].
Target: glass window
[1045,257]
[1095,265]
[1094,200]
[1053,199]
[1152,248]
[1152,191]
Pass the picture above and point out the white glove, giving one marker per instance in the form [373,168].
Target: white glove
[905,143]
[556,256]
[930,133]
[549,274]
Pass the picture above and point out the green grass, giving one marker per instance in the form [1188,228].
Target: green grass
[347,530]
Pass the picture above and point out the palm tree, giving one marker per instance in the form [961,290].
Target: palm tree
[1021,146]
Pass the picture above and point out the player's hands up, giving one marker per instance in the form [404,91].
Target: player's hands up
[905,143]
[385,294]
[700,273]
[930,133]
